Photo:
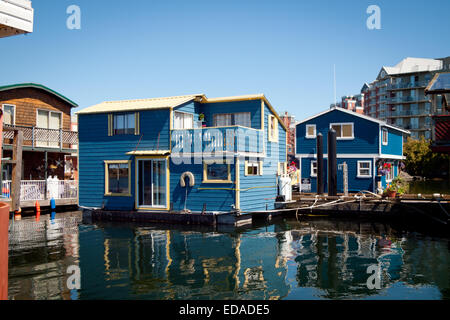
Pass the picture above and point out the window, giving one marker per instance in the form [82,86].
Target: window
[233,119]
[310,131]
[364,169]
[9,114]
[273,128]
[242,119]
[183,120]
[313,168]
[385,137]
[117,178]
[124,123]
[216,172]
[253,168]
[343,130]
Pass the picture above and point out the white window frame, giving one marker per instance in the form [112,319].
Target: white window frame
[391,172]
[359,175]
[256,164]
[341,124]
[382,136]
[313,175]
[14,115]
[184,115]
[315,131]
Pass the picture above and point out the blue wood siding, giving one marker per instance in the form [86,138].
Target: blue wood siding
[395,143]
[366,134]
[191,107]
[258,191]
[96,147]
[252,106]
[355,184]
[215,199]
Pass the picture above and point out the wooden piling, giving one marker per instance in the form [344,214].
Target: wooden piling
[16,170]
[4,221]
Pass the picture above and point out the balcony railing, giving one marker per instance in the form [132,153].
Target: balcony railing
[406,113]
[32,190]
[408,99]
[408,85]
[218,139]
[43,138]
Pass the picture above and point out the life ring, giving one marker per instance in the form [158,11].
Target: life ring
[191,179]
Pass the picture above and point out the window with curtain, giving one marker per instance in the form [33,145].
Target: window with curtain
[183,120]
[233,119]
[9,114]
[223,120]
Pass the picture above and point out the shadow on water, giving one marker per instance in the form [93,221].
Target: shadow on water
[287,259]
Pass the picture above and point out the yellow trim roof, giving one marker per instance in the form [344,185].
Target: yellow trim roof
[148,152]
[172,102]
[139,104]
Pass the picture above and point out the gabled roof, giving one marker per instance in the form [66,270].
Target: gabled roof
[40,87]
[171,102]
[380,122]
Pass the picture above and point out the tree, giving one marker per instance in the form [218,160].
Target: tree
[421,161]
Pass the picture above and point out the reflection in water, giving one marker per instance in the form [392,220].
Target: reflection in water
[39,255]
[319,259]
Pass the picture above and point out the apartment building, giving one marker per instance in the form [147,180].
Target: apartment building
[397,95]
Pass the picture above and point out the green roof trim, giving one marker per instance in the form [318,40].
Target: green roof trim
[38,86]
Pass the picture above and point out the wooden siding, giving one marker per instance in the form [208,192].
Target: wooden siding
[28,100]
[366,134]
[355,184]
[96,147]
[257,191]
[395,143]
[215,199]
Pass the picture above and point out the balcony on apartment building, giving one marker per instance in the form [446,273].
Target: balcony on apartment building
[41,139]
[407,85]
[408,99]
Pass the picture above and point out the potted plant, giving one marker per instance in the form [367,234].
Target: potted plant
[395,188]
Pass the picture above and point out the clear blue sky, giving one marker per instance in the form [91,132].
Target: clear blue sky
[284,49]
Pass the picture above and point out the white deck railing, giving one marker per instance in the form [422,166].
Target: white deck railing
[31,190]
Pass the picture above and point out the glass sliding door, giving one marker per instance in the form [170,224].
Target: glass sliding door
[152,183]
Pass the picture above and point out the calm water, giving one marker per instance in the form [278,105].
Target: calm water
[319,259]
[430,187]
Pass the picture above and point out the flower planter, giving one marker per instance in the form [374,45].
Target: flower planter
[392,194]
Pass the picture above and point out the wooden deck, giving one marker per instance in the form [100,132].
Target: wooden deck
[27,205]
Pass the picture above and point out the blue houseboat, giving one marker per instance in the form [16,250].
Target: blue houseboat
[181,154]
[371,148]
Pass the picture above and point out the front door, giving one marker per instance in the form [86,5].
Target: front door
[152,183]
